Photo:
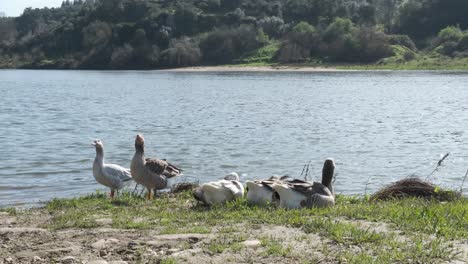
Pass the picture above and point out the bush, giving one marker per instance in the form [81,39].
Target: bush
[450,33]
[300,44]
[303,27]
[181,52]
[225,45]
[272,26]
[402,40]
[338,29]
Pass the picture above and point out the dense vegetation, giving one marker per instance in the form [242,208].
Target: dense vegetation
[145,34]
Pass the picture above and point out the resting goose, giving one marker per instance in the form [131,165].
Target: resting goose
[111,175]
[154,174]
[299,194]
[221,191]
[261,193]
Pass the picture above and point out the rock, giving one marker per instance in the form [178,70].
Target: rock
[104,221]
[68,260]
[98,262]
[9,260]
[172,251]
[186,253]
[104,243]
[251,243]
[118,262]
[102,253]
[37,259]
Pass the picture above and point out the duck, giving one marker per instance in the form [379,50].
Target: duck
[297,194]
[261,193]
[154,174]
[110,175]
[218,192]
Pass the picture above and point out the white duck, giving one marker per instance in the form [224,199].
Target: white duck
[228,189]
[261,193]
[154,174]
[111,175]
[298,194]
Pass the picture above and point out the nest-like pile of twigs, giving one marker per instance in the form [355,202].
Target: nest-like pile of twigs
[183,186]
[414,187]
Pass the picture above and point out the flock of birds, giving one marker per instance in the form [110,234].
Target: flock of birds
[157,174]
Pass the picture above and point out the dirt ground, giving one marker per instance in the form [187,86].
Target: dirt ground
[24,240]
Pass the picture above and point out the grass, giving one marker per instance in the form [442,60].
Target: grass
[427,226]
[404,59]
[177,214]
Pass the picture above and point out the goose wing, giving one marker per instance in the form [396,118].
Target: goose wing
[117,172]
[163,167]
[234,187]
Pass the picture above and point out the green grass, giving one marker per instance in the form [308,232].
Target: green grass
[415,219]
[177,214]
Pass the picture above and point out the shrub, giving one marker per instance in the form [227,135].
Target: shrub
[224,45]
[181,52]
[303,27]
[337,29]
[449,33]
[402,40]
[272,26]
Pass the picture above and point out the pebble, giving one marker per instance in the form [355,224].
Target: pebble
[251,243]
[37,259]
[68,260]
[98,262]
[9,260]
[102,253]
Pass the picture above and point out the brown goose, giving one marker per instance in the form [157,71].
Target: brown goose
[300,194]
[154,174]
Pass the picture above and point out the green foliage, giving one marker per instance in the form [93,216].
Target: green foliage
[303,28]
[223,46]
[450,33]
[124,34]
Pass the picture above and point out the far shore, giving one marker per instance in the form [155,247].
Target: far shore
[260,68]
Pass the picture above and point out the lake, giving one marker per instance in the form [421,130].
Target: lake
[378,126]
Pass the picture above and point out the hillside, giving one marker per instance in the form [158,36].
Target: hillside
[153,34]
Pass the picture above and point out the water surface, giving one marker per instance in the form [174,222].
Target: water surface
[381,126]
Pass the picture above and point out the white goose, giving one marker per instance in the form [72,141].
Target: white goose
[111,175]
[261,193]
[298,194]
[154,174]
[228,189]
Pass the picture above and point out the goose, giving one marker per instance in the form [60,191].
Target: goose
[217,192]
[111,175]
[261,193]
[154,174]
[298,194]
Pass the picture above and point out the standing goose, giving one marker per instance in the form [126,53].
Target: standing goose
[228,189]
[299,194]
[111,175]
[154,174]
[261,193]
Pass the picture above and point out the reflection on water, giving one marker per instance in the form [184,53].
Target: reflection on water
[377,125]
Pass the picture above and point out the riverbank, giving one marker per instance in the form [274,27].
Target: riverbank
[174,229]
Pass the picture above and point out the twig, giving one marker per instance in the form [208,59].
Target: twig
[463,182]
[439,163]
[367,183]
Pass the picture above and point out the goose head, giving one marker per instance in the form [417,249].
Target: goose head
[139,143]
[328,173]
[259,194]
[198,194]
[98,145]
[233,176]
[288,197]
